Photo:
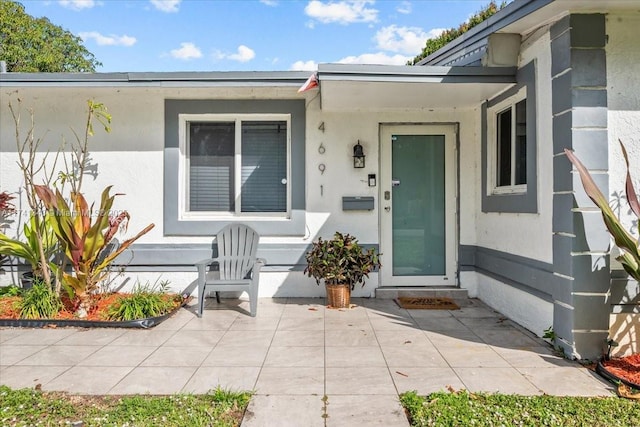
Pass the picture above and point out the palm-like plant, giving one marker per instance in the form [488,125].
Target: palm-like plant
[85,239]
[629,245]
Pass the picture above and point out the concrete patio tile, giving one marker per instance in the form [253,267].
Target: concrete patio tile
[154,380]
[472,356]
[236,356]
[509,338]
[453,337]
[357,410]
[496,380]
[208,378]
[346,314]
[177,356]
[533,357]
[29,376]
[59,355]
[298,338]
[312,357]
[392,324]
[98,336]
[430,314]
[284,411]
[258,323]
[347,337]
[424,380]
[212,321]
[298,381]
[136,337]
[439,323]
[9,333]
[193,338]
[177,321]
[304,307]
[336,324]
[419,356]
[11,354]
[87,380]
[118,355]
[483,323]
[568,381]
[246,338]
[302,323]
[40,336]
[361,381]
[365,356]
[410,337]
[475,312]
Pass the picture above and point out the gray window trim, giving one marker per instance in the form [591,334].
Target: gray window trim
[292,226]
[525,202]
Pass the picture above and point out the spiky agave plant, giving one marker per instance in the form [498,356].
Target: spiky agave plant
[629,245]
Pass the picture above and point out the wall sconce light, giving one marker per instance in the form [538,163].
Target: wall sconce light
[358,156]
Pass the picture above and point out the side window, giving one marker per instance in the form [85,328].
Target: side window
[511,147]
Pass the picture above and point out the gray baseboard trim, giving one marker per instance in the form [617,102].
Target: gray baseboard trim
[529,275]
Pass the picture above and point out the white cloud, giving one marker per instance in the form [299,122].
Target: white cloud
[244,54]
[169,6]
[343,12]
[111,40]
[407,40]
[310,65]
[186,52]
[376,58]
[271,3]
[404,7]
[78,4]
[432,34]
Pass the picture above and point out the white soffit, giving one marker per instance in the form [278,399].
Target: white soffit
[374,88]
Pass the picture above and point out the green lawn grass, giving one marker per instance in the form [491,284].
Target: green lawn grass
[29,407]
[462,408]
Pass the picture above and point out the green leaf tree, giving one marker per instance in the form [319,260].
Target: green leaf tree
[32,45]
[435,43]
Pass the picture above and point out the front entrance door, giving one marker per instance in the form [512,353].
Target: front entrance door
[418,209]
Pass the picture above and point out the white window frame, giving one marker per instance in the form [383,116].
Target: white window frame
[492,145]
[184,167]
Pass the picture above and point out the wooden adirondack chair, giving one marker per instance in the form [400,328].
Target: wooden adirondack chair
[239,268]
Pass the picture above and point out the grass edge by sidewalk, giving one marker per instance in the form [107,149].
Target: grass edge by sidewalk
[463,408]
[27,407]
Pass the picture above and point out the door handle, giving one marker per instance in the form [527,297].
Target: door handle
[395,182]
[387,208]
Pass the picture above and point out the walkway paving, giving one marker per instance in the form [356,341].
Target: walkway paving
[308,365]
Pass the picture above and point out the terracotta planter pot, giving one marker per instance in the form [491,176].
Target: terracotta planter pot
[339,295]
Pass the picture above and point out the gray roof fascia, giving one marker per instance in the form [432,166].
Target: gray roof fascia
[252,78]
[408,73]
[511,13]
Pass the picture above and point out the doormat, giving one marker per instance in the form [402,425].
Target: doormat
[427,303]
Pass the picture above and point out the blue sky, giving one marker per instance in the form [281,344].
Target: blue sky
[251,35]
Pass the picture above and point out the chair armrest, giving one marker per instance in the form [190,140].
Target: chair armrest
[261,261]
[205,261]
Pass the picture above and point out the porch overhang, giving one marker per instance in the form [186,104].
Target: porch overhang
[382,87]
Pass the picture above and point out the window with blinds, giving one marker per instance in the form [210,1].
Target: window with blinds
[238,167]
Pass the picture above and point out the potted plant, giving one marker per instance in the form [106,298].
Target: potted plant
[341,262]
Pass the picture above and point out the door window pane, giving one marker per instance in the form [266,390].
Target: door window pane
[211,171]
[418,205]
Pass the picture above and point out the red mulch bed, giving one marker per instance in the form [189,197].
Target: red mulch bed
[625,368]
[99,306]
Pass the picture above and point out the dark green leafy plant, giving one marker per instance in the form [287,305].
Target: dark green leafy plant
[145,301]
[40,302]
[340,260]
[10,291]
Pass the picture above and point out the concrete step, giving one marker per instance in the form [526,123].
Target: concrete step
[422,292]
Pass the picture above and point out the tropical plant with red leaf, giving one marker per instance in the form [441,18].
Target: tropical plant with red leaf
[85,239]
[628,244]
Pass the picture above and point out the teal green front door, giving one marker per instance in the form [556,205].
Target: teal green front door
[418,206]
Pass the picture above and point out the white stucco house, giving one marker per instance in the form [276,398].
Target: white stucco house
[464,183]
